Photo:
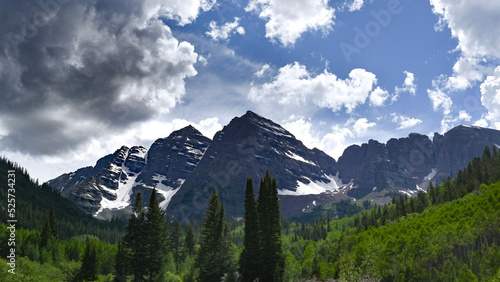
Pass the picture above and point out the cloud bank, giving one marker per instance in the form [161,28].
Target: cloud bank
[73,70]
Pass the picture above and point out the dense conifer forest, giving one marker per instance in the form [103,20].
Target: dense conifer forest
[450,233]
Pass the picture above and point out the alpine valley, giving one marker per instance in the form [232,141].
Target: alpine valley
[186,167]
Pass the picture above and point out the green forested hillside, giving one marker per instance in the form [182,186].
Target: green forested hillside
[450,233]
[455,241]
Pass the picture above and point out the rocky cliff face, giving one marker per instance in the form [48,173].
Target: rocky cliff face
[110,187]
[90,187]
[406,165]
[247,147]
[458,146]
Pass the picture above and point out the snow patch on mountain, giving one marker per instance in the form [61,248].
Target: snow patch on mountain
[419,188]
[166,191]
[314,187]
[122,193]
[409,193]
[298,158]
[431,175]
[115,168]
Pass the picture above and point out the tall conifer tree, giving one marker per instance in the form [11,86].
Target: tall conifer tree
[49,232]
[135,241]
[214,256]
[121,263]
[272,261]
[189,240]
[249,260]
[176,242]
[88,270]
[155,237]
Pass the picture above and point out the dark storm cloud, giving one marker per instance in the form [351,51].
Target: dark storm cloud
[72,70]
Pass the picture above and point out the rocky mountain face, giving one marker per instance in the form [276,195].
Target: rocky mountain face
[109,188]
[186,166]
[88,187]
[406,165]
[247,147]
[458,146]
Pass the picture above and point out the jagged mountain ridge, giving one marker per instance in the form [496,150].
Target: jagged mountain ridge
[112,184]
[187,166]
[406,165]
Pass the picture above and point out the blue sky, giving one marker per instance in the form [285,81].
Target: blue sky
[82,78]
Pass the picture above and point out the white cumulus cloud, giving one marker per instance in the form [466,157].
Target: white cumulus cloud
[378,97]
[332,142]
[473,23]
[441,100]
[183,11]
[260,73]
[490,97]
[449,121]
[295,86]
[404,121]
[223,32]
[361,126]
[288,19]
[408,85]
[356,5]
[464,115]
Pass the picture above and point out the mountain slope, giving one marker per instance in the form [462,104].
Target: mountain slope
[110,186]
[449,242]
[458,146]
[247,147]
[406,165]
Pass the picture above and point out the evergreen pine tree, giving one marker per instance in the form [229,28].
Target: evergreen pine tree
[434,193]
[176,245]
[226,260]
[189,240]
[155,237]
[271,260]
[49,232]
[385,215]
[121,263]
[213,256]
[135,241]
[422,201]
[328,219]
[249,260]
[46,235]
[49,236]
[88,270]
[53,224]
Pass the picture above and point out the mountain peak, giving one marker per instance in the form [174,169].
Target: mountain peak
[185,131]
[265,124]
[249,114]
